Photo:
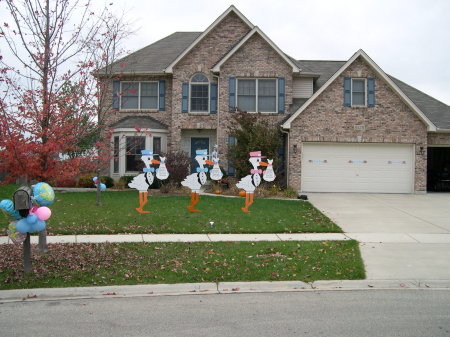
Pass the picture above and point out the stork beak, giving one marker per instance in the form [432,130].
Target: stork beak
[209,162]
[154,161]
[263,163]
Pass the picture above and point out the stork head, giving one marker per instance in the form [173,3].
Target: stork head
[256,159]
[147,158]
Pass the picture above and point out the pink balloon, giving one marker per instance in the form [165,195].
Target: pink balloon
[43,213]
[33,210]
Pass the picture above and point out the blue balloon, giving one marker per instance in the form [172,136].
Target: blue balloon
[8,207]
[32,218]
[38,226]
[22,226]
[102,187]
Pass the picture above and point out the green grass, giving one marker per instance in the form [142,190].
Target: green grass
[143,263]
[76,213]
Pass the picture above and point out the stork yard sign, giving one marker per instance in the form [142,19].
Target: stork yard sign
[143,181]
[250,182]
[195,180]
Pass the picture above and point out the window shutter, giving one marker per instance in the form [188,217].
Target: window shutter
[185,97]
[116,90]
[213,101]
[347,91]
[231,94]
[281,94]
[371,91]
[231,143]
[162,95]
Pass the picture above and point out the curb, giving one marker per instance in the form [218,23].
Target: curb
[49,294]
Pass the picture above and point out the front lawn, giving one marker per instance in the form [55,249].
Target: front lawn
[76,213]
[69,265]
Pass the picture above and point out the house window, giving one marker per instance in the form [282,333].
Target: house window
[199,93]
[134,145]
[257,95]
[116,150]
[157,145]
[267,95]
[358,92]
[139,96]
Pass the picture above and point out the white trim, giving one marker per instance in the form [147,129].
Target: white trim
[381,73]
[139,96]
[134,130]
[233,9]
[365,92]
[257,94]
[123,133]
[255,30]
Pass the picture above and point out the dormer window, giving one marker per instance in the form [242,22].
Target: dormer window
[199,87]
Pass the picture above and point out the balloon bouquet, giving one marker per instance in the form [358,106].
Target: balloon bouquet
[28,218]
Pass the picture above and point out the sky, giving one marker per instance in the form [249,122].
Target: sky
[408,39]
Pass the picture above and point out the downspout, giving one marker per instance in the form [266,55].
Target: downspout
[218,109]
[287,157]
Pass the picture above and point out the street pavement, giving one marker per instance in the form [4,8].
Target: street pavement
[400,313]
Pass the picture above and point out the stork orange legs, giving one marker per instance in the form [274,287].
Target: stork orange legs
[195,197]
[143,198]
[248,202]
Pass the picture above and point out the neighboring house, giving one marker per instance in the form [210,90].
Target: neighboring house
[349,126]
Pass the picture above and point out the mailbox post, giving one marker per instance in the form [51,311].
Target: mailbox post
[22,203]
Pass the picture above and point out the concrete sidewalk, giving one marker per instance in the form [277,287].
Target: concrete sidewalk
[363,238]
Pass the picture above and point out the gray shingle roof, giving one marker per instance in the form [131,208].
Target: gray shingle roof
[141,121]
[157,56]
[436,111]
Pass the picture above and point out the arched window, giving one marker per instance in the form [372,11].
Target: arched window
[199,93]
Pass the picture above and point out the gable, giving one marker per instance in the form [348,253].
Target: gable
[251,35]
[379,73]
[231,26]
[256,56]
[216,43]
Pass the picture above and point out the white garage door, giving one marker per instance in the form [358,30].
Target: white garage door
[342,167]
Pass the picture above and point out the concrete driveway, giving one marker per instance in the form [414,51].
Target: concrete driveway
[402,236]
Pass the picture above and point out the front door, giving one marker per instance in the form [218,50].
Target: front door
[197,144]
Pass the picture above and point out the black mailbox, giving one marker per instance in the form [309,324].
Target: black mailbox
[22,200]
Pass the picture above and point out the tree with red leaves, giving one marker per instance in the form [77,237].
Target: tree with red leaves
[49,98]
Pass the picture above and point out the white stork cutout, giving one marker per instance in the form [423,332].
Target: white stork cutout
[143,181]
[251,182]
[195,180]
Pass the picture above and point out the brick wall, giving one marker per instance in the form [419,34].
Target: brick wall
[439,139]
[201,59]
[255,59]
[328,120]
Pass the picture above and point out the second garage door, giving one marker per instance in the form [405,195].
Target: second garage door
[343,167]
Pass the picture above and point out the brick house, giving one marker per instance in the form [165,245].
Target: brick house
[348,126]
